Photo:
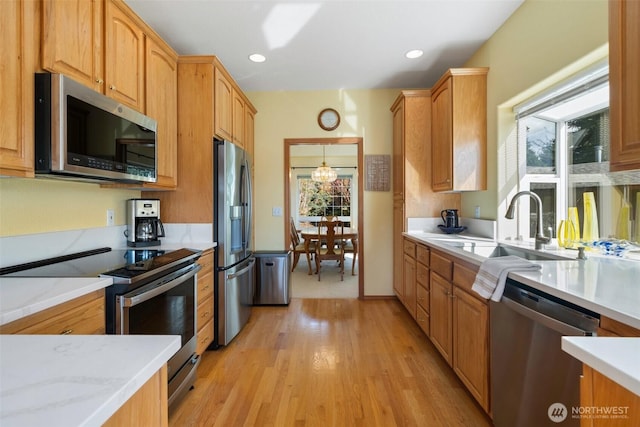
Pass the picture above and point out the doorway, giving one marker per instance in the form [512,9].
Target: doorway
[329,142]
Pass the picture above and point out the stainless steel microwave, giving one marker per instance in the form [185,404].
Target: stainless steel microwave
[83,135]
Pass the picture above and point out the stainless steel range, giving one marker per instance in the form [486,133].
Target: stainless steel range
[153,293]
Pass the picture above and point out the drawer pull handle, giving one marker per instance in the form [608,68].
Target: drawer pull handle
[66,332]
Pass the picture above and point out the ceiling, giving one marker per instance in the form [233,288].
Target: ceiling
[328,44]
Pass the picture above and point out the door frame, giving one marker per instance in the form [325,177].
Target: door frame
[288,142]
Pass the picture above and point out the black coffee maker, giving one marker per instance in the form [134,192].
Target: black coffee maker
[143,222]
[450,218]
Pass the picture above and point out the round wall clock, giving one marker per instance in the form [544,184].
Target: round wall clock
[328,119]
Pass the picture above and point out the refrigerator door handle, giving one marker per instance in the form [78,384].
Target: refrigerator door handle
[243,271]
[245,200]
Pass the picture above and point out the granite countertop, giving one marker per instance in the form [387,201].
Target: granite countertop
[75,380]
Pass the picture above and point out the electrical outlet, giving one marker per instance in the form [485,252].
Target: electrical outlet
[110,217]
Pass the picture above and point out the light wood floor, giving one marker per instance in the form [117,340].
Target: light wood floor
[328,362]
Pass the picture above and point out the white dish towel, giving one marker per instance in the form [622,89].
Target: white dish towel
[493,272]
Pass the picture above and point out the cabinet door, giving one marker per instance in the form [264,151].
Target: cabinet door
[162,105]
[398,150]
[410,285]
[440,305]
[624,63]
[72,40]
[471,344]
[238,119]
[124,57]
[442,138]
[223,118]
[17,56]
[249,131]
[398,228]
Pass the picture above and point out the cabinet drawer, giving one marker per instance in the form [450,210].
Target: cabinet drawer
[410,248]
[422,255]
[205,286]
[441,265]
[205,312]
[422,275]
[422,296]
[205,336]
[422,317]
[206,261]
[463,277]
[81,316]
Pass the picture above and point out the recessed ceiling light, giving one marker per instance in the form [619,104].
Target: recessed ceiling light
[413,54]
[256,57]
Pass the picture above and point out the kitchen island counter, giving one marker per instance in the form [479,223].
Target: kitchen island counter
[75,380]
[614,357]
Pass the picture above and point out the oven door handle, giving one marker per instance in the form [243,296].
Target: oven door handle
[139,297]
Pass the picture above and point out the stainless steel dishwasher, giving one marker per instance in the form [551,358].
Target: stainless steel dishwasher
[529,371]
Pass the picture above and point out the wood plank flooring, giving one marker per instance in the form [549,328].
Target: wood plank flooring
[328,362]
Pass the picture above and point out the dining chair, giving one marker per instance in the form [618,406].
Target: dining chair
[351,246]
[334,248]
[297,245]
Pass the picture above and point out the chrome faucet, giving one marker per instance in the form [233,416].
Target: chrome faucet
[540,237]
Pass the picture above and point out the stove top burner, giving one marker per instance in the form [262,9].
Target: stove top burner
[123,266]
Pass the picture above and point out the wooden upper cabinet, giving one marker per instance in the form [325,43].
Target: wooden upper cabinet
[238,119]
[398,148]
[18,58]
[99,43]
[223,113]
[162,105]
[249,130]
[459,130]
[124,56]
[624,84]
[72,42]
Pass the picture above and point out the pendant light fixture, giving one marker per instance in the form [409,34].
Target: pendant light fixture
[324,173]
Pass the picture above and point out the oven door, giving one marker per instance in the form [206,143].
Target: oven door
[166,306]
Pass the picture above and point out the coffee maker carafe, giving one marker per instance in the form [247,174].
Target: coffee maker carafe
[450,218]
[143,222]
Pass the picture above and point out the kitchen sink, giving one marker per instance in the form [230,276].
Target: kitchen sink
[493,250]
[533,255]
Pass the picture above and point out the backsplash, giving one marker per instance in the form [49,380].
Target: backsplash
[33,247]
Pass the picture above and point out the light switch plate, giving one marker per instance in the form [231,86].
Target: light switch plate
[276,211]
[110,217]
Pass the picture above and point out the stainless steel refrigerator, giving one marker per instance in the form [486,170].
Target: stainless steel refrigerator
[234,260]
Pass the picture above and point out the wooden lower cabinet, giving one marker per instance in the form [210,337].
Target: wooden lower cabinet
[409,272]
[84,315]
[441,312]
[204,314]
[598,391]
[459,323]
[147,407]
[471,344]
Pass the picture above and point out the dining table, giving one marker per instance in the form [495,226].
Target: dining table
[314,234]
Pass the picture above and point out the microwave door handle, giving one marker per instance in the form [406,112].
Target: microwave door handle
[137,298]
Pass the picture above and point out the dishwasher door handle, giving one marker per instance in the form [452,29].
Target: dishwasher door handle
[550,322]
